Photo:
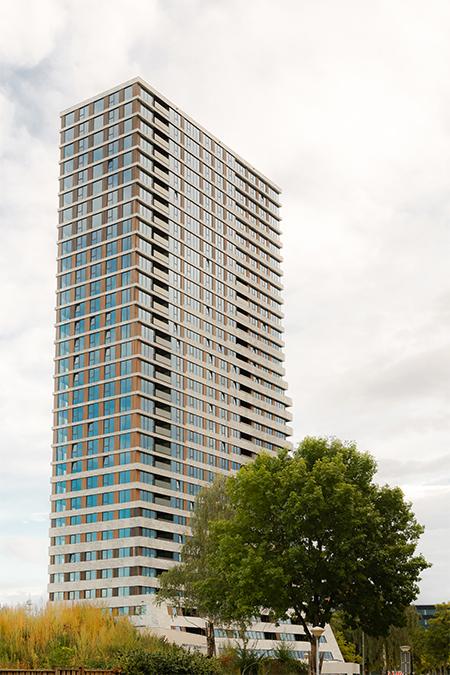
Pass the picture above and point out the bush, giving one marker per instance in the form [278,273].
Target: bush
[284,662]
[65,637]
[168,660]
[242,659]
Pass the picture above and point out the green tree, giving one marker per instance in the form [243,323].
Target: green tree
[437,638]
[345,639]
[383,652]
[309,533]
[182,586]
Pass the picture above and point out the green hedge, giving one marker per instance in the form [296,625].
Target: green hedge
[172,660]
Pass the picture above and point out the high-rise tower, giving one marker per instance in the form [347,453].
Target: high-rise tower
[169,351]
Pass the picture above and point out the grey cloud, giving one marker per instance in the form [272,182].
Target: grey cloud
[427,471]
[346,105]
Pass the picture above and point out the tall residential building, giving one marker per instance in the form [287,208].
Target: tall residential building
[169,340]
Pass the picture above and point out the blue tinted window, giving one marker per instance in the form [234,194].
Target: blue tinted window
[81,258]
[126,367]
[108,425]
[92,464]
[69,119]
[78,379]
[94,375]
[93,410]
[94,322]
[93,429]
[78,414]
[125,422]
[79,326]
[110,371]
[77,450]
[99,106]
[95,305]
[93,393]
[108,444]
[109,407]
[61,452]
[68,150]
[96,270]
[92,447]
[96,288]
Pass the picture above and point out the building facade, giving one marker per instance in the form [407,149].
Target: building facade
[169,348]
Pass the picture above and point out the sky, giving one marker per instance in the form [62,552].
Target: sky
[346,105]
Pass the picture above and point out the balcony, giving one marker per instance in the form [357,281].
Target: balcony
[162,375]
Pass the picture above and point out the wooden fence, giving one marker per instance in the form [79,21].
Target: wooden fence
[58,671]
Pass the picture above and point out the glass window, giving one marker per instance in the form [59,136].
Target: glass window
[69,119]
[99,106]
[108,479]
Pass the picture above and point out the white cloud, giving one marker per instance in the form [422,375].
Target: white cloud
[28,31]
[346,105]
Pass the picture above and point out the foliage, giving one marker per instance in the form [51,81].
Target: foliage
[183,585]
[168,660]
[284,662]
[79,635]
[348,648]
[242,659]
[437,638]
[383,653]
[311,532]
[62,635]
[85,635]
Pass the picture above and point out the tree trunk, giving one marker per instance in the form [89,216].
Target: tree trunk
[210,639]
[299,618]
[384,657]
[313,656]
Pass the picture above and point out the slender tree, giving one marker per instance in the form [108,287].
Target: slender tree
[182,586]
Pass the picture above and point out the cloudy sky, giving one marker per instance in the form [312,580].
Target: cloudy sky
[346,105]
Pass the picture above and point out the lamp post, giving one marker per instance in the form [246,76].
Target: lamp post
[405,659]
[317,631]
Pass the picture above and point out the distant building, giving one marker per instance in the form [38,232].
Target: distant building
[425,612]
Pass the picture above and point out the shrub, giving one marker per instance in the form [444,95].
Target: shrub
[168,660]
[242,659]
[65,636]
